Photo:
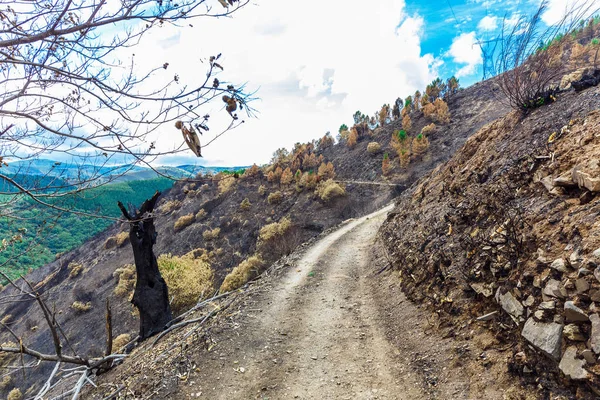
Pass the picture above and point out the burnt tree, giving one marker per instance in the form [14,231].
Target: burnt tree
[151,295]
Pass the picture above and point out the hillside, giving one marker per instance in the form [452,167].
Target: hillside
[504,238]
[216,229]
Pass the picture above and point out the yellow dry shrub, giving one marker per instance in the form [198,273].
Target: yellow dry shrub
[326,171]
[6,319]
[120,341]
[406,123]
[373,148]
[81,306]
[74,269]
[442,113]
[169,206]
[262,189]
[352,138]
[211,234]
[325,142]
[286,176]
[200,214]
[187,278]
[254,170]
[404,157]
[5,382]
[345,134]
[274,230]
[226,184]
[116,241]
[429,110]
[308,180]
[125,276]
[275,197]
[420,144]
[14,394]
[242,273]
[184,222]
[245,204]
[271,177]
[328,190]
[428,129]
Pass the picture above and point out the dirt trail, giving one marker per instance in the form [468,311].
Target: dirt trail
[318,333]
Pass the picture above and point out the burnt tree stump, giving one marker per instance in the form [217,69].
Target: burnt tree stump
[151,296]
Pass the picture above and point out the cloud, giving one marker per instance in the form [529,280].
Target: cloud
[488,23]
[464,50]
[557,9]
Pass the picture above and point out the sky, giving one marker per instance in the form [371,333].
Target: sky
[313,63]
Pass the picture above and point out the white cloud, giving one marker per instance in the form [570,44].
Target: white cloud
[464,50]
[488,23]
[314,62]
[557,9]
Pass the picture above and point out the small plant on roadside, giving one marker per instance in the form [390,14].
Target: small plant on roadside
[242,273]
[328,190]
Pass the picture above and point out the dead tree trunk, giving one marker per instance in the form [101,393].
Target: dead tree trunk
[151,295]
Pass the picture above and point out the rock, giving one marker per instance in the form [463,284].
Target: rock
[528,302]
[588,176]
[582,285]
[547,337]
[597,274]
[571,366]
[565,180]
[575,259]
[482,288]
[559,319]
[547,305]
[488,316]
[560,265]
[548,183]
[554,289]
[539,315]
[572,332]
[574,313]
[595,334]
[510,304]
[583,272]
[589,356]
[567,79]
[596,254]
[595,295]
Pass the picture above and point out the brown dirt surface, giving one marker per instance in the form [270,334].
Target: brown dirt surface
[324,325]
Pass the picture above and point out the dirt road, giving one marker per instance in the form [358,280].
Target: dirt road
[318,333]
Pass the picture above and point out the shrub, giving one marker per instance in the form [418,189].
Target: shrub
[226,184]
[442,114]
[286,176]
[404,156]
[420,144]
[271,231]
[328,190]
[187,278]
[74,269]
[428,129]
[254,170]
[81,306]
[169,206]
[120,341]
[406,123]
[200,214]
[308,180]
[262,190]
[386,167]
[242,273]
[5,382]
[429,111]
[352,138]
[373,148]
[325,142]
[116,241]
[14,394]
[183,222]
[275,197]
[326,171]
[126,279]
[211,234]
[245,205]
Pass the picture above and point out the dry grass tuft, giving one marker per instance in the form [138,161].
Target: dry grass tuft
[211,234]
[183,222]
[5,382]
[271,231]
[6,319]
[242,273]
[275,197]
[328,190]
[373,148]
[14,394]
[201,214]
[75,269]
[187,278]
[262,190]
[120,341]
[169,206]
[81,306]
[226,184]
[246,205]
[126,279]
[428,129]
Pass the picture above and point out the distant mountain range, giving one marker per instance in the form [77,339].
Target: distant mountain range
[42,172]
